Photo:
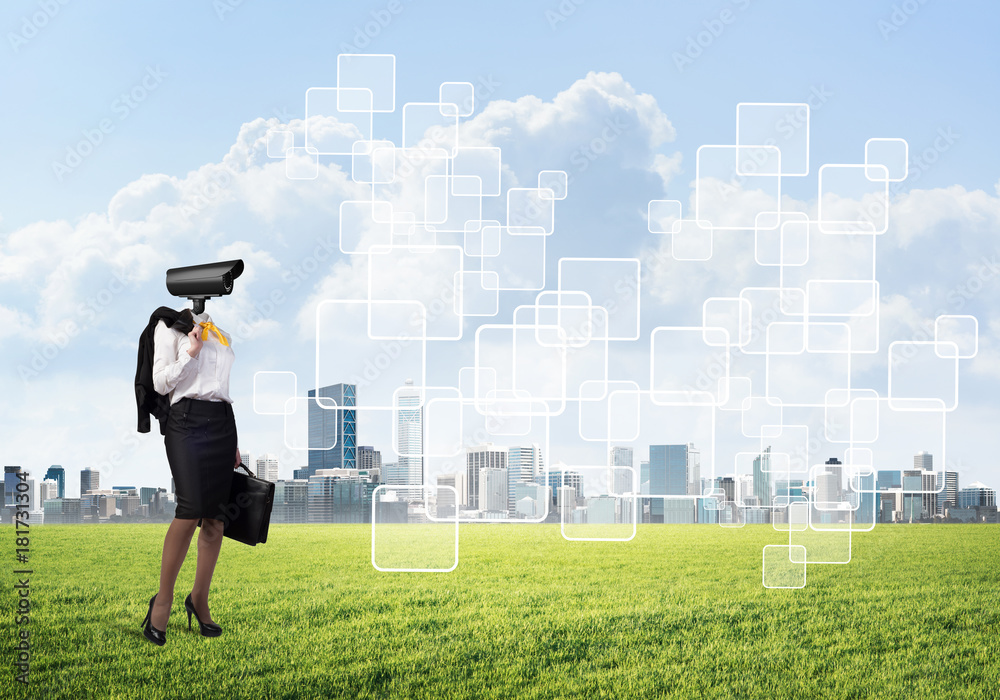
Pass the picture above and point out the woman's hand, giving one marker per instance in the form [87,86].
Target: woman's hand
[196,341]
[237,458]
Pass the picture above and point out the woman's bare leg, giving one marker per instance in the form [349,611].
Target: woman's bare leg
[175,547]
[209,543]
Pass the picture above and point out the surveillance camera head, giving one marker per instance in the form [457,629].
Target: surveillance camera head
[199,282]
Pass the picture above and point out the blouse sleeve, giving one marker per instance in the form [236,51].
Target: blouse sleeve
[171,361]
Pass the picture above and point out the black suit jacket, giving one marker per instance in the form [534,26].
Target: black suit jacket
[147,400]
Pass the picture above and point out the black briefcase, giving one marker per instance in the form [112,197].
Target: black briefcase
[248,512]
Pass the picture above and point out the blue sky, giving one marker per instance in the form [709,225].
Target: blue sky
[872,69]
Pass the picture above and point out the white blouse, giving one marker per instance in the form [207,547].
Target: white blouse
[177,373]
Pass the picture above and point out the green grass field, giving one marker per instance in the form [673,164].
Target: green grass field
[679,611]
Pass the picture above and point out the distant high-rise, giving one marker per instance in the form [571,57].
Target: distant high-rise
[446,500]
[924,461]
[977,494]
[267,467]
[90,480]
[762,488]
[244,458]
[410,434]
[10,481]
[478,458]
[49,488]
[622,477]
[948,498]
[493,490]
[524,465]
[670,470]
[57,473]
[369,458]
[332,421]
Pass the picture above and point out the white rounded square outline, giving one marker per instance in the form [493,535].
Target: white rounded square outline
[442,102]
[906,159]
[425,488]
[924,399]
[295,390]
[565,183]
[789,555]
[938,340]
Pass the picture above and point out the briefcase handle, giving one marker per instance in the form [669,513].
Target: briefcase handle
[244,469]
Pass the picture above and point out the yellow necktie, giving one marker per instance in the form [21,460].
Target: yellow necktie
[207,326]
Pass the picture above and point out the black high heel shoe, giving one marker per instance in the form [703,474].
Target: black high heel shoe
[158,637]
[207,629]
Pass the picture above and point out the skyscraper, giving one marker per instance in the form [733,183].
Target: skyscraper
[669,469]
[49,488]
[369,458]
[90,480]
[924,461]
[524,465]
[948,498]
[479,458]
[762,478]
[57,473]
[410,434]
[267,467]
[493,490]
[332,421]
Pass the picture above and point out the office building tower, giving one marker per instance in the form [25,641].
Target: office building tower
[332,422]
[827,489]
[63,511]
[948,498]
[524,464]
[11,479]
[410,434]
[394,475]
[48,489]
[493,491]
[622,478]
[762,488]
[669,470]
[58,474]
[728,486]
[693,471]
[369,458]
[478,458]
[531,499]
[90,480]
[146,494]
[340,496]
[291,501]
[448,501]
[923,461]
[977,495]
[889,479]
[913,500]
[244,459]
[267,467]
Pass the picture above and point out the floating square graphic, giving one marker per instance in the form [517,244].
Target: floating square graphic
[782,568]
[403,538]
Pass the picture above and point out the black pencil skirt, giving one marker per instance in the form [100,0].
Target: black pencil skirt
[201,444]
